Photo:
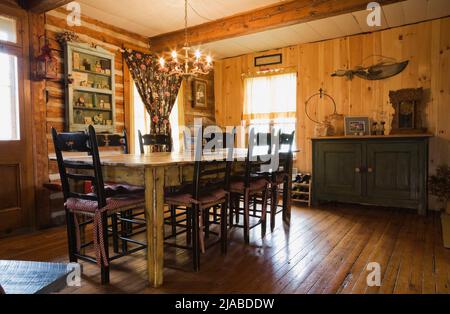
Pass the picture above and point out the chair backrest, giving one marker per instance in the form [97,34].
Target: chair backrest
[153,140]
[286,156]
[83,143]
[259,154]
[226,140]
[211,174]
[114,140]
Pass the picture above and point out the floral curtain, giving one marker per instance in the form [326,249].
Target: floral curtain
[158,90]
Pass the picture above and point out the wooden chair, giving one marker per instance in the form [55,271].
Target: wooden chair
[161,141]
[209,189]
[103,140]
[282,175]
[249,186]
[96,204]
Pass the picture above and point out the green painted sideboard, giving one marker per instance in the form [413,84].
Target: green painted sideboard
[373,170]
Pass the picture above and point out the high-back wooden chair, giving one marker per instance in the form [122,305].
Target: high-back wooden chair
[251,185]
[209,188]
[155,140]
[114,140]
[96,204]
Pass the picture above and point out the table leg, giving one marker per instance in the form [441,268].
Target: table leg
[287,196]
[154,213]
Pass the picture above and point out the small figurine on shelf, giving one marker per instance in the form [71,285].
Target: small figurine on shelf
[81,102]
[98,67]
[98,119]
[87,65]
[102,104]
[374,128]
[383,128]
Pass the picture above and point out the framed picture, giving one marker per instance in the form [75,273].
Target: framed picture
[357,126]
[269,60]
[200,93]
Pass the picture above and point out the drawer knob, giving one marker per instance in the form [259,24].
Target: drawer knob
[370,170]
[358,170]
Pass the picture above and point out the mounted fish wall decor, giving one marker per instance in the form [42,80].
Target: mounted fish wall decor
[384,69]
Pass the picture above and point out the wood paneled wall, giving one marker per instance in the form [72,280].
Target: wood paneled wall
[191,113]
[426,45]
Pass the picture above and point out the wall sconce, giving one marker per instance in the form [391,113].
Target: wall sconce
[46,63]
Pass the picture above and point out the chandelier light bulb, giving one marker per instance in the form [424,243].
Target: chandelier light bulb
[174,54]
[209,59]
[162,62]
[198,54]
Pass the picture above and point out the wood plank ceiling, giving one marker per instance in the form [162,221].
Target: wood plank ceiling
[397,14]
[164,16]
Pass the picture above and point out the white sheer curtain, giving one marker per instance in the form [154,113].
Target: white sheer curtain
[268,97]
[270,102]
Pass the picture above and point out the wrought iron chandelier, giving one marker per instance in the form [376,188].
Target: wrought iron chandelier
[186,65]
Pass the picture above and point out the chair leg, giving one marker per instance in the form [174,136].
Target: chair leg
[223,227]
[206,222]
[173,220]
[264,212]
[231,211]
[188,227]
[123,232]
[105,269]
[237,209]
[71,236]
[246,217]
[115,233]
[273,206]
[195,240]
[254,205]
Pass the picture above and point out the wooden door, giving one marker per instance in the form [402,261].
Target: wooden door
[337,169]
[16,162]
[393,171]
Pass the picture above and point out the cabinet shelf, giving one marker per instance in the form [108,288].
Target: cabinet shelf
[92,72]
[92,90]
[75,55]
[92,109]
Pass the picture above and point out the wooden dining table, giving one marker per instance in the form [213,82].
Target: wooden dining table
[157,172]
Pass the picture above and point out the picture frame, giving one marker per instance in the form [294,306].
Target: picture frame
[269,60]
[357,126]
[200,93]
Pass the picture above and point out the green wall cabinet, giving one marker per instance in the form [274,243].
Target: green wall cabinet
[385,171]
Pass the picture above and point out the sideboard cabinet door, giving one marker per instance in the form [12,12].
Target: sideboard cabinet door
[393,171]
[337,168]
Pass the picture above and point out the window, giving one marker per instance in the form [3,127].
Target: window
[270,102]
[8,29]
[9,106]
[142,121]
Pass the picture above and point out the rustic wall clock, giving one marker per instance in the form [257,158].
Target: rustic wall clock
[408,106]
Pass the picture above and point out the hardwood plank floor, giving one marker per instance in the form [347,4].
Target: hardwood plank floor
[325,250]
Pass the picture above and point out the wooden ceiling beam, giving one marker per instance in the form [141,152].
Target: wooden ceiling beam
[262,19]
[41,6]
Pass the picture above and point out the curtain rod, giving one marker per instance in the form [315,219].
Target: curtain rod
[266,72]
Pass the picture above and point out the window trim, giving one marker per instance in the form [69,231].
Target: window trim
[18,16]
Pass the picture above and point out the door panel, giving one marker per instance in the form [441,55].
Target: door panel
[16,146]
[393,167]
[336,168]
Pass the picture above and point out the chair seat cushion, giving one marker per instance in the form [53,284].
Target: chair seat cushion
[119,202]
[215,196]
[257,184]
